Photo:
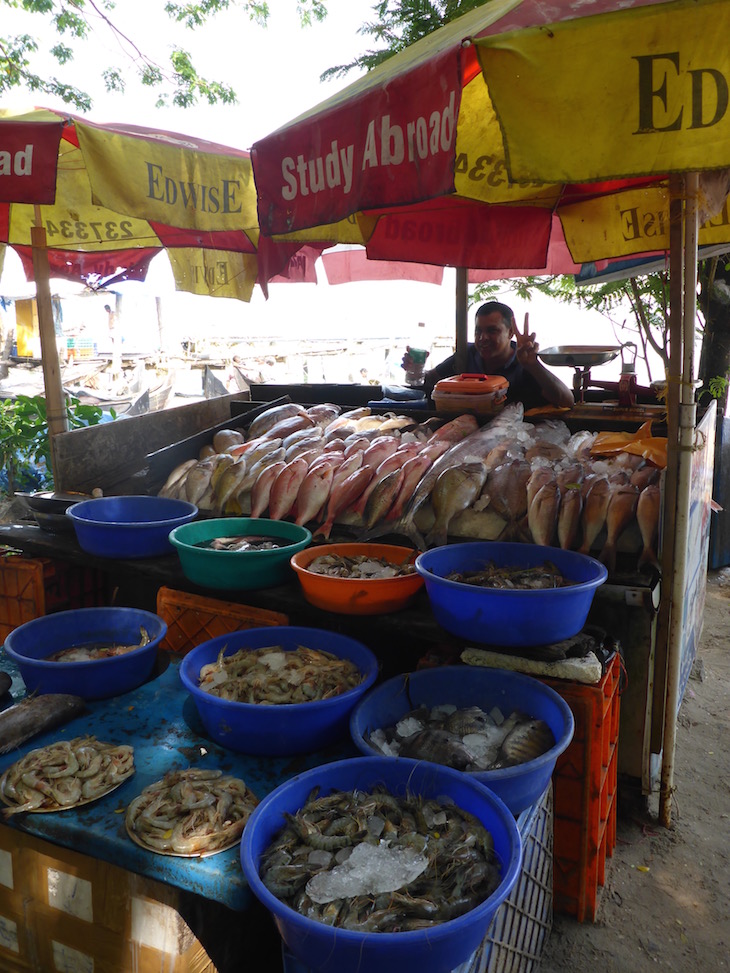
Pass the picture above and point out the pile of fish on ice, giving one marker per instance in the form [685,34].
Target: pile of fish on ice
[509,479]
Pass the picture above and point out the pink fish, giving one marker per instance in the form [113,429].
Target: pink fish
[571,507]
[647,517]
[456,429]
[342,496]
[378,450]
[313,493]
[620,513]
[347,467]
[261,490]
[393,462]
[413,470]
[595,507]
[542,514]
[355,443]
[285,488]
[435,449]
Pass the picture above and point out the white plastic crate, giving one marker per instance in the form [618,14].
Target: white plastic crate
[517,934]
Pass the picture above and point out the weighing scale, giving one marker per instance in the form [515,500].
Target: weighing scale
[584,357]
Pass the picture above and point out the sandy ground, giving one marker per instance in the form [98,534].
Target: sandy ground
[666,902]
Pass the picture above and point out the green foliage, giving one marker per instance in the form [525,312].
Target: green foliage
[77,22]
[397,25]
[717,387]
[24,433]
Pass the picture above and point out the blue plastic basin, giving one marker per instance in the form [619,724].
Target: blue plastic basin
[513,616]
[30,644]
[257,728]
[129,527]
[437,949]
[464,686]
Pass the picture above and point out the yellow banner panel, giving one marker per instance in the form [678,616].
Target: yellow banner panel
[642,90]
[353,229]
[480,170]
[168,181]
[634,221]
[214,273]
[77,224]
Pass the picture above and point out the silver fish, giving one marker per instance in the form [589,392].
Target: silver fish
[35,715]
[455,489]
[176,479]
[262,423]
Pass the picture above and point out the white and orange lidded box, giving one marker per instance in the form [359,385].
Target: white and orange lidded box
[483,394]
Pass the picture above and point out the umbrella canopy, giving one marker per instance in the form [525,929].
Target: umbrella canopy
[110,197]
[409,159]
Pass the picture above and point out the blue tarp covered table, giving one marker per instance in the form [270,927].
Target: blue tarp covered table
[160,721]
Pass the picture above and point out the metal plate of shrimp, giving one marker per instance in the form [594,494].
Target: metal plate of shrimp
[191,813]
[65,775]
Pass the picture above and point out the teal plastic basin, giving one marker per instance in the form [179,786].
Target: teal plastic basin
[237,570]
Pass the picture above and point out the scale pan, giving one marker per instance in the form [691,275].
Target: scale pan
[579,356]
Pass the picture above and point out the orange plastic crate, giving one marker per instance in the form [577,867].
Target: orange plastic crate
[585,783]
[31,587]
[193,619]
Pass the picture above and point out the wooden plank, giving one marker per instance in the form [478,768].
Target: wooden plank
[112,456]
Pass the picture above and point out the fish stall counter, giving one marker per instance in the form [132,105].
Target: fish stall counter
[160,721]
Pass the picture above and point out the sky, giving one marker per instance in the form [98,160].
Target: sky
[275,71]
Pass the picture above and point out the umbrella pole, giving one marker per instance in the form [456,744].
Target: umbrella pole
[683,331]
[462,300]
[55,401]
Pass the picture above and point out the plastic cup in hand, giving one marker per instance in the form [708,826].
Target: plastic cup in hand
[416,369]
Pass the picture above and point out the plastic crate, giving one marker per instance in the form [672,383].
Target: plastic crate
[193,619]
[31,587]
[585,783]
[517,934]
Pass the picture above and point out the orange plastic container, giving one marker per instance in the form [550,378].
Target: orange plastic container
[585,782]
[352,596]
[469,392]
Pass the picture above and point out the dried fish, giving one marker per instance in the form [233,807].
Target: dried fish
[190,813]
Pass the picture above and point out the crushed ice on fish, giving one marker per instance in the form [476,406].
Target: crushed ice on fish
[369,870]
[358,566]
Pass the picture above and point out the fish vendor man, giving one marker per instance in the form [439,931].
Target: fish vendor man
[499,348]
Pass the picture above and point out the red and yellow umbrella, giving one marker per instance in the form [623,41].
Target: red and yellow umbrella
[110,197]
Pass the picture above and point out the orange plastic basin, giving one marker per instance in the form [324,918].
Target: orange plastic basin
[354,596]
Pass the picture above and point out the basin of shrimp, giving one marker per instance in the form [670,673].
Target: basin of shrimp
[277,690]
[381,865]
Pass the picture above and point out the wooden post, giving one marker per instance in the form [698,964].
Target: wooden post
[681,438]
[55,399]
[462,300]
